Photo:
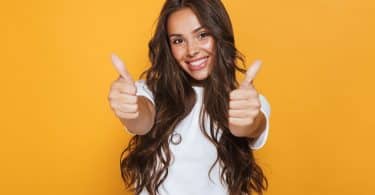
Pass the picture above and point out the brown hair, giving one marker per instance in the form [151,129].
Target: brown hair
[144,163]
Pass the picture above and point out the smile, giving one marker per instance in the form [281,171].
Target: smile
[197,64]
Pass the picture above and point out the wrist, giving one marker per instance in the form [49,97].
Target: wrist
[257,127]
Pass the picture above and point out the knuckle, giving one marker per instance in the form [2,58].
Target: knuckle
[253,94]
[132,115]
[257,105]
[256,112]
[233,94]
[123,108]
[111,95]
[115,84]
[119,114]
[136,107]
[113,105]
[134,99]
[231,121]
[126,108]
[231,105]
[230,112]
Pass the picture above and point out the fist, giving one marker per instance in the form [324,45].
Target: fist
[122,95]
[244,105]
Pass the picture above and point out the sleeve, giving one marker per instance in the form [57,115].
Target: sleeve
[142,90]
[266,110]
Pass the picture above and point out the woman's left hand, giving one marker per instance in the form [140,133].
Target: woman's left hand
[244,106]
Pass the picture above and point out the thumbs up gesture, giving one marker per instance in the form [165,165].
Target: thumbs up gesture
[122,95]
[244,105]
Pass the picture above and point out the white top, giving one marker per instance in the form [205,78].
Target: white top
[195,154]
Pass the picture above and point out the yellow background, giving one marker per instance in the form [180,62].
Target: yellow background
[59,135]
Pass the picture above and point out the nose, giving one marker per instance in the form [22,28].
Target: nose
[192,49]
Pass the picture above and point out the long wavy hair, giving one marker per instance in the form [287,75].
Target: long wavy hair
[145,161]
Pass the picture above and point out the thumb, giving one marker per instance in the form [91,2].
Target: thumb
[251,73]
[120,67]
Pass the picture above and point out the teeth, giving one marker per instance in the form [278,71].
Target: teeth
[199,62]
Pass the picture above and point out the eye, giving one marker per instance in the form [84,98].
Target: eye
[203,35]
[177,41]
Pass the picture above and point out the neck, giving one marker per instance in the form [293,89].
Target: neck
[198,83]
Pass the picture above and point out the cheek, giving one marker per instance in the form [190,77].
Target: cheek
[209,45]
[177,53]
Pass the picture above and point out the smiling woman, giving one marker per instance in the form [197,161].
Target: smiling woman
[195,126]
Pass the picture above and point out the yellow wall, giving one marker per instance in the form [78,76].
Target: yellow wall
[59,136]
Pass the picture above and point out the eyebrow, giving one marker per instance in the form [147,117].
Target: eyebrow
[194,31]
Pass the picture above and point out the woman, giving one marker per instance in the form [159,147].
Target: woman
[195,126]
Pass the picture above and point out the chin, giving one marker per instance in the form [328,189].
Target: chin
[199,77]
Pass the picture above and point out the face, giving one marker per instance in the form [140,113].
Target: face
[192,45]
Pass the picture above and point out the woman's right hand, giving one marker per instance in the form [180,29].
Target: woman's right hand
[122,95]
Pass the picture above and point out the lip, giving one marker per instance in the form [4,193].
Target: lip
[190,61]
[199,66]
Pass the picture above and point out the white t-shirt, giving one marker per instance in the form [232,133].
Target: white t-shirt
[193,156]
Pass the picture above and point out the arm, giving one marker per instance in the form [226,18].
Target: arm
[145,120]
[260,139]
[257,128]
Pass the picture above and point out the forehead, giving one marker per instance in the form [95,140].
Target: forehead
[183,21]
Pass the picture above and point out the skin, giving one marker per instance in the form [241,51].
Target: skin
[192,46]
